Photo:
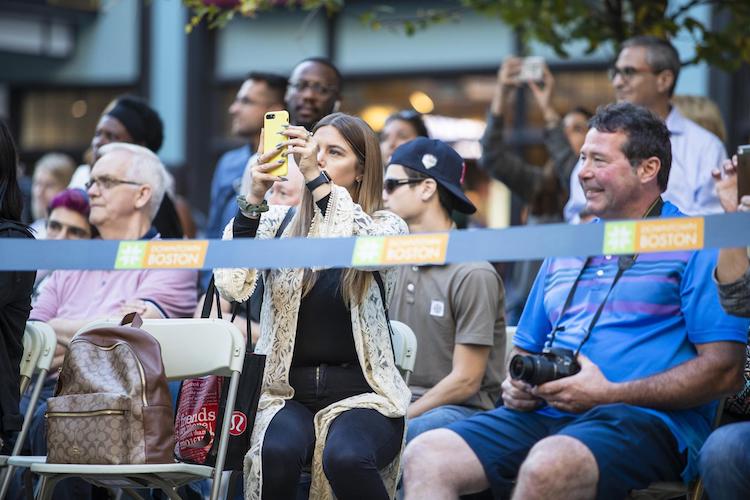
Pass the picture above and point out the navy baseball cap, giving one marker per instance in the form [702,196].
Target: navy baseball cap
[439,161]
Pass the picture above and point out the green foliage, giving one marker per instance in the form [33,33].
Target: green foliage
[217,13]
[555,23]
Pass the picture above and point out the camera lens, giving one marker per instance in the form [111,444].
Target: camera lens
[534,369]
[270,116]
[521,367]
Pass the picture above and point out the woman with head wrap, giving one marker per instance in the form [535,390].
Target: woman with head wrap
[130,119]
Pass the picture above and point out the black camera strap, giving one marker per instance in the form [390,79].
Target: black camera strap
[624,262]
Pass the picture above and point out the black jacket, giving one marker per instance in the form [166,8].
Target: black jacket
[15,306]
[530,182]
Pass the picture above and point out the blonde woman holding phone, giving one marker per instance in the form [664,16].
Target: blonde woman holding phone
[332,396]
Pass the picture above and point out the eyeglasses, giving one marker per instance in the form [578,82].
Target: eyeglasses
[627,72]
[317,88]
[390,185]
[107,183]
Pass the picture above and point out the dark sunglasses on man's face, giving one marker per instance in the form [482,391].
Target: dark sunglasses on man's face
[390,185]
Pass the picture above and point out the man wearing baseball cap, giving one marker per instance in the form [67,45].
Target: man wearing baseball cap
[457,311]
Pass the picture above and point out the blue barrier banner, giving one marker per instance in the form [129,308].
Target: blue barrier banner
[513,244]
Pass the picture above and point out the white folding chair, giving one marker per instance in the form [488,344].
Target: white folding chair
[190,348]
[510,332]
[39,343]
[404,348]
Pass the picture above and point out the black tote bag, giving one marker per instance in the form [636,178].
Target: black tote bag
[202,403]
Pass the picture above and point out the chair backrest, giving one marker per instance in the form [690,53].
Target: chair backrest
[193,347]
[404,347]
[39,342]
[510,332]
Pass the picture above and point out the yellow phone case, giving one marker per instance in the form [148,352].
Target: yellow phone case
[272,128]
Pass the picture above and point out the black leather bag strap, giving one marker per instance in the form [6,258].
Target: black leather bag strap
[381,286]
[285,221]
[212,295]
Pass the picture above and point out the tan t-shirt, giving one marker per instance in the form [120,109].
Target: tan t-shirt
[445,305]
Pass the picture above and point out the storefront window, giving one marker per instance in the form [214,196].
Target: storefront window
[61,119]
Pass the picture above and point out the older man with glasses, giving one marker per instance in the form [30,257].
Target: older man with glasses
[126,187]
[645,73]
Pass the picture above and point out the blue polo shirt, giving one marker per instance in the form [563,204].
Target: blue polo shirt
[658,311]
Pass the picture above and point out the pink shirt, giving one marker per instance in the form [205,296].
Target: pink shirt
[73,294]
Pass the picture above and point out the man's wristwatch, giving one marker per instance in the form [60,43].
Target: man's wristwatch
[323,178]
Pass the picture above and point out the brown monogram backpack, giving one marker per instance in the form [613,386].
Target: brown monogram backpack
[112,404]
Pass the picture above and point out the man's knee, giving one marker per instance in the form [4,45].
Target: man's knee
[722,448]
[556,457]
[424,452]
[425,457]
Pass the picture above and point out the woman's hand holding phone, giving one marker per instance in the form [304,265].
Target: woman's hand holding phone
[305,150]
[262,180]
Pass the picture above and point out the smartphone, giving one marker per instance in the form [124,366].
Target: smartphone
[743,171]
[532,69]
[273,122]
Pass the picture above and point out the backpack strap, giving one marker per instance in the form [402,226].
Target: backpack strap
[381,286]
[285,222]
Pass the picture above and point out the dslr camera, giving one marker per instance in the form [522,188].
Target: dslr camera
[551,364]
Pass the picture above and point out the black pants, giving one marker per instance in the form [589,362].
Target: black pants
[360,441]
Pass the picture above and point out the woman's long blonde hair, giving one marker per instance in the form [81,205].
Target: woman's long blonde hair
[368,193]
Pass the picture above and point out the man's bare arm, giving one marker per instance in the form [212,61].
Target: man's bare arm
[715,372]
[464,380]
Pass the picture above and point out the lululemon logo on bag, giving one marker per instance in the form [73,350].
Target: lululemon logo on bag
[239,423]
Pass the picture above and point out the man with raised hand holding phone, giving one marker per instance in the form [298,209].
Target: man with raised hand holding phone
[456,310]
[656,352]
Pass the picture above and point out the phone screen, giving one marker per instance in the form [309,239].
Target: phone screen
[743,171]
[273,122]
[532,69]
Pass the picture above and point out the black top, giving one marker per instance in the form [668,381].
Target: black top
[324,325]
[15,306]
[167,221]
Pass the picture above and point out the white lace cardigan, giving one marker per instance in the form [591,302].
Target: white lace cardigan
[281,302]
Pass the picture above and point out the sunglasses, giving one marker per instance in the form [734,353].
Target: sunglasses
[390,185]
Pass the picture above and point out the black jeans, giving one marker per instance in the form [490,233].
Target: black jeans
[360,441]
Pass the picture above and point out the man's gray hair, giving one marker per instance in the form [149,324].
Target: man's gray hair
[660,55]
[146,168]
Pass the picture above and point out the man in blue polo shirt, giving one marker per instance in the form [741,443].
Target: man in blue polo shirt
[659,351]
